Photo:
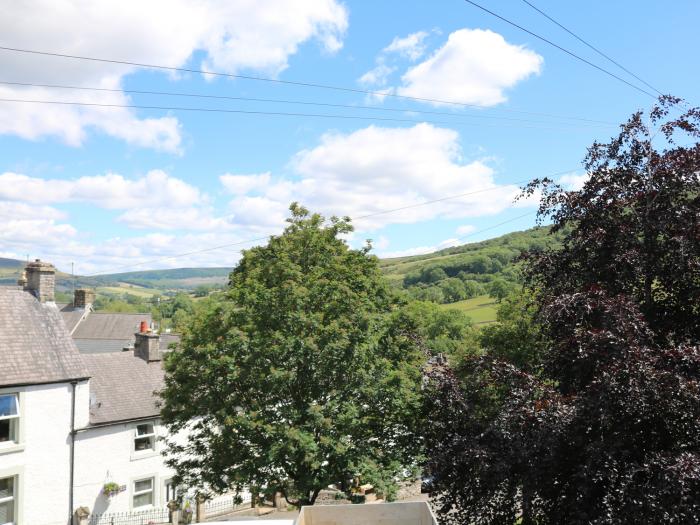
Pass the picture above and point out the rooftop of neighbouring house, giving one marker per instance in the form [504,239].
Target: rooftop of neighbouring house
[105,332]
[122,386]
[36,346]
[119,353]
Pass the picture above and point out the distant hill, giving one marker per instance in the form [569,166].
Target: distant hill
[177,278]
[155,281]
[450,276]
[469,277]
[10,263]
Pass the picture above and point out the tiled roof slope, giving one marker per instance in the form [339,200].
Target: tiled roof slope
[71,316]
[97,346]
[35,346]
[122,386]
[99,325]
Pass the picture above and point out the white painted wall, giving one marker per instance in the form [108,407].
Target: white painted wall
[41,461]
[107,454]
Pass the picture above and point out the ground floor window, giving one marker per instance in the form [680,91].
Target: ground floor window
[8,510]
[170,491]
[143,493]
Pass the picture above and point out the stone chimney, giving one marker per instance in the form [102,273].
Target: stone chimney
[147,345]
[83,298]
[41,280]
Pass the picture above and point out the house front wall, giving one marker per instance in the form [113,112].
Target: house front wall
[107,454]
[40,462]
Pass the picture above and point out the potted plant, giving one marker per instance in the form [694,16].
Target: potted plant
[110,489]
[187,511]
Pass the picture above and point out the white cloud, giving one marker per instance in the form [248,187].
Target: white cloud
[573,182]
[111,191]
[465,229]
[19,210]
[234,35]
[377,76]
[242,184]
[421,250]
[411,46]
[376,169]
[167,218]
[474,66]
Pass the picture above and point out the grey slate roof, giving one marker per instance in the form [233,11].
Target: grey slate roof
[97,346]
[102,325]
[35,346]
[122,386]
[71,316]
[168,339]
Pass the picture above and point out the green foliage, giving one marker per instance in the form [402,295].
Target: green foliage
[499,289]
[431,277]
[473,289]
[516,336]
[302,374]
[449,332]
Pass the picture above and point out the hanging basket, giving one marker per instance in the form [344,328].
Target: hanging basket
[110,489]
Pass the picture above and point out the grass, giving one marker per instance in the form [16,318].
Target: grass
[133,290]
[481,309]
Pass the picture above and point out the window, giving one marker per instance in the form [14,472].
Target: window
[170,491]
[145,437]
[9,418]
[7,501]
[143,493]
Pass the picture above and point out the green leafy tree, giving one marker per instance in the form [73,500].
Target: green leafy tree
[473,289]
[449,332]
[433,275]
[302,374]
[453,289]
[499,289]
[516,336]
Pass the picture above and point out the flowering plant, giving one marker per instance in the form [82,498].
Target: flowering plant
[111,489]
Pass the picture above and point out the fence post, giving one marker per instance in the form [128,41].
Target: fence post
[81,515]
[174,509]
[201,511]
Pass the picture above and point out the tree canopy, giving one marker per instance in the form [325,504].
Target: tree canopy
[304,373]
[607,428]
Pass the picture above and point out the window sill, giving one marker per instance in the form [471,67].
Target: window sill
[135,456]
[7,448]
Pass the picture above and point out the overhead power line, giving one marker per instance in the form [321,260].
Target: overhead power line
[277,113]
[287,101]
[375,214]
[570,53]
[266,79]
[591,46]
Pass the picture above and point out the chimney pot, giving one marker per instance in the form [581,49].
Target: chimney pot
[144,327]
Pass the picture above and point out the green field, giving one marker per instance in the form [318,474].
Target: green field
[481,310]
[123,288]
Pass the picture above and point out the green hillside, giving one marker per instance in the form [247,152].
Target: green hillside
[468,278]
[471,277]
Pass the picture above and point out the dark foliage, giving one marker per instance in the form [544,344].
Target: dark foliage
[609,431]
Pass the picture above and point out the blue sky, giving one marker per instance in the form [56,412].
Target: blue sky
[119,189]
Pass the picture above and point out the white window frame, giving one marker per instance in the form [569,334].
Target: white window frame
[135,493]
[18,444]
[169,482]
[17,489]
[153,437]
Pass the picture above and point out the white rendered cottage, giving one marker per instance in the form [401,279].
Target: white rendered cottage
[44,393]
[70,421]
